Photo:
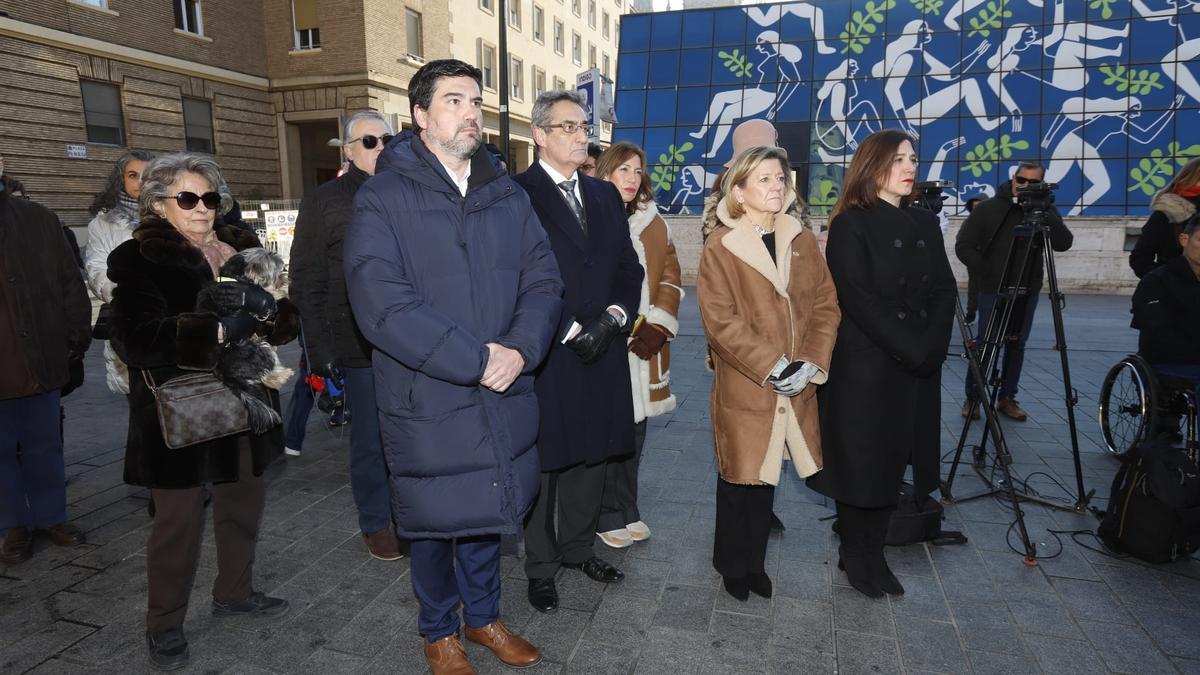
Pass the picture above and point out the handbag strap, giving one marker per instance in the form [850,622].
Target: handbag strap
[149,381]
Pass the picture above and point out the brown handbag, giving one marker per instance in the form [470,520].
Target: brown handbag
[195,408]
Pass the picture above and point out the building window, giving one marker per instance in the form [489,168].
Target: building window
[487,63]
[591,55]
[514,14]
[558,37]
[591,13]
[516,78]
[604,66]
[198,125]
[487,6]
[604,23]
[308,38]
[576,48]
[187,16]
[539,24]
[559,84]
[103,4]
[102,112]
[577,7]
[306,22]
[539,81]
[416,36]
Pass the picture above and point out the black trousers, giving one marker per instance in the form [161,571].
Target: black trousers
[573,496]
[743,527]
[619,507]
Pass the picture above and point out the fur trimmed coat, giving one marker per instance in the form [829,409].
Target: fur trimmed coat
[661,292]
[1159,241]
[156,329]
[756,310]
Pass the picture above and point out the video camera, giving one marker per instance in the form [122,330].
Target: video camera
[1036,200]
[928,194]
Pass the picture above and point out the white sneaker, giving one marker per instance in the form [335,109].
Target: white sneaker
[616,538]
[291,453]
[638,531]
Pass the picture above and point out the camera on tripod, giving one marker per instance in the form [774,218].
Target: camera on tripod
[1035,199]
[928,194]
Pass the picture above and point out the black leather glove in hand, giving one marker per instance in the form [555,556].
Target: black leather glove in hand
[593,340]
[329,370]
[231,296]
[238,326]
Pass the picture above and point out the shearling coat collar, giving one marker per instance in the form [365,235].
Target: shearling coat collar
[744,242]
[162,244]
[1177,209]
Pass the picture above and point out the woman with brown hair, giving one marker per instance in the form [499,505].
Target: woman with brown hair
[1172,207]
[770,314]
[882,411]
[623,164]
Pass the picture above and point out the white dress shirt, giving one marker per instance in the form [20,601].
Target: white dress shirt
[460,183]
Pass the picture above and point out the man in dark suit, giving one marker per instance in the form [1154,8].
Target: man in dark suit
[584,393]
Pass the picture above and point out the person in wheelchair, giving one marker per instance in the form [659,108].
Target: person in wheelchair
[1166,311]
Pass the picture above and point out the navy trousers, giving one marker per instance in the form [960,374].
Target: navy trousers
[368,471]
[33,490]
[298,409]
[445,571]
[1014,351]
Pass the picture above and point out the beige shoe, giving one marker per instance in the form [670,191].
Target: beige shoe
[616,538]
[510,648]
[447,657]
[638,531]
[1009,408]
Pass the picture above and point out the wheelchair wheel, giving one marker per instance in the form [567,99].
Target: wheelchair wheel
[1127,405]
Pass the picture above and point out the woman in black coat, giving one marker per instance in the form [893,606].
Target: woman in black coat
[880,409]
[1172,207]
[175,252]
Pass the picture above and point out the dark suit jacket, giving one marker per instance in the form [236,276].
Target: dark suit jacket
[586,409]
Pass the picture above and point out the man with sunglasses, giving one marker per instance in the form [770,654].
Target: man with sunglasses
[333,341]
[452,280]
[584,390]
[986,244]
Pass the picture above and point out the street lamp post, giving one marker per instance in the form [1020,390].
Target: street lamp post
[502,10]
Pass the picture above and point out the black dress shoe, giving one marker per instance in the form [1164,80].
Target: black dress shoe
[858,573]
[257,604]
[543,595]
[760,584]
[598,569]
[167,650]
[739,588]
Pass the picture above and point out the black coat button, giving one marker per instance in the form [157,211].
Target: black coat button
[902,281]
[920,243]
[923,314]
[924,278]
[12,280]
[901,315]
[898,244]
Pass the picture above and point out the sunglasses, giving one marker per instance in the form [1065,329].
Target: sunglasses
[369,141]
[1021,180]
[188,200]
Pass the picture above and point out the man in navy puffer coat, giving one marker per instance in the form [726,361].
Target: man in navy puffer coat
[452,279]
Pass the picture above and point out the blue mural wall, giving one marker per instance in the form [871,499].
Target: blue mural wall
[1104,92]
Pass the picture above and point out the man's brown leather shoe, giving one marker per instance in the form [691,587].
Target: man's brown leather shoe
[1009,408]
[383,544]
[447,657]
[65,534]
[17,546]
[967,410]
[509,647]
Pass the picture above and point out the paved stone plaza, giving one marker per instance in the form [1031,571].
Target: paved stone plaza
[973,608]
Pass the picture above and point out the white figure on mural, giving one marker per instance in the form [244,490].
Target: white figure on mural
[767,18]
[900,57]
[961,7]
[694,181]
[838,97]
[764,98]
[1177,62]
[1074,150]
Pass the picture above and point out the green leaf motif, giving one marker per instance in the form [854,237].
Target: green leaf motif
[986,155]
[1152,173]
[928,6]
[1137,81]
[824,199]
[736,62]
[989,18]
[662,174]
[1105,7]
[862,24]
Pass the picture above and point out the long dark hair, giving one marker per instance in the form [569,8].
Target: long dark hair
[107,198]
[616,155]
[868,170]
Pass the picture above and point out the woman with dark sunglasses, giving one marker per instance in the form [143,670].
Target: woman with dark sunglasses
[174,253]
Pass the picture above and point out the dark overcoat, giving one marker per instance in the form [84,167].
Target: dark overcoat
[45,315]
[587,409]
[433,277]
[156,329]
[1166,312]
[881,408]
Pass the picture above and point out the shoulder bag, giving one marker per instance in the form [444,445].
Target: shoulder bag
[195,408]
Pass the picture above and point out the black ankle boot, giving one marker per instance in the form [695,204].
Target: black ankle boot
[855,550]
[884,579]
[738,587]
[760,584]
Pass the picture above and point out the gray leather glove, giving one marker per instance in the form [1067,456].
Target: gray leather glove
[793,378]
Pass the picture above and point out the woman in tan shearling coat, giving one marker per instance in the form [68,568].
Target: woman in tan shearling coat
[770,314]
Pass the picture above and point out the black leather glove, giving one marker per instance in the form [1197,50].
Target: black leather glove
[592,342]
[330,370]
[238,326]
[231,296]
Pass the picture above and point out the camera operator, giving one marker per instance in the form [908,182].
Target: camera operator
[989,245]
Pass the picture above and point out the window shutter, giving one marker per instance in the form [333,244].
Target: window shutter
[306,14]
